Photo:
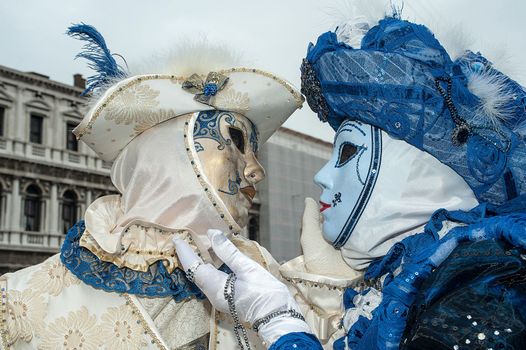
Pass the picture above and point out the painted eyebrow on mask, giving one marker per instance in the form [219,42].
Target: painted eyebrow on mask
[350,127]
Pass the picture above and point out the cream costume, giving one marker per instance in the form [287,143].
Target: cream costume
[117,283]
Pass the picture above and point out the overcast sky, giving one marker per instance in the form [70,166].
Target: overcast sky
[273,34]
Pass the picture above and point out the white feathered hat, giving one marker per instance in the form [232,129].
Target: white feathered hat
[133,104]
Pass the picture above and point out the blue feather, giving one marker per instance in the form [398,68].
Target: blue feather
[99,56]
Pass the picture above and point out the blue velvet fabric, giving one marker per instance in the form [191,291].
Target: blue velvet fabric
[156,282]
[297,341]
[398,81]
[411,262]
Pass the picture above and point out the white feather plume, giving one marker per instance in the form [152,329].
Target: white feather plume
[352,19]
[199,56]
[494,96]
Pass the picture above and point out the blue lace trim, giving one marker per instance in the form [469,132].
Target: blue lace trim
[156,282]
[418,256]
[297,341]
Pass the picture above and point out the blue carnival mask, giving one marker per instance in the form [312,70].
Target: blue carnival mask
[348,179]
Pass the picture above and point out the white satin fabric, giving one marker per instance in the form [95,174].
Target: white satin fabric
[319,296]
[162,186]
[411,185]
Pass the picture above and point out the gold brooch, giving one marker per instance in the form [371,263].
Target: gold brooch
[204,90]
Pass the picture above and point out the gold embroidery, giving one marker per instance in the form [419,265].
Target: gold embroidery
[143,323]
[52,277]
[25,312]
[120,330]
[153,118]
[78,331]
[232,100]
[131,104]
[297,96]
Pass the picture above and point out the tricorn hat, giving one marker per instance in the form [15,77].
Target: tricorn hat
[133,104]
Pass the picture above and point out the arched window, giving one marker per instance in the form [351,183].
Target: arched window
[32,208]
[69,210]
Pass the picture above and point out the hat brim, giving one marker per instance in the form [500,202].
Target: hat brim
[138,103]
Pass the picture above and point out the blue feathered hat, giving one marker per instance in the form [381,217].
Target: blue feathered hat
[464,112]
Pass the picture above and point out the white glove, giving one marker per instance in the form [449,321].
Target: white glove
[257,292]
[320,256]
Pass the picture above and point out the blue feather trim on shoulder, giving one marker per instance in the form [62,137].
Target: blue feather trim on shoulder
[99,56]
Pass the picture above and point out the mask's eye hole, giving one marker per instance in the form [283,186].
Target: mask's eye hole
[347,152]
[237,138]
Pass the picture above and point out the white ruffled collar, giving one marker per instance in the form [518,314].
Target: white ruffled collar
[138,246]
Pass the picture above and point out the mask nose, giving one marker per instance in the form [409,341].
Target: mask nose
[323,178]
[253,172]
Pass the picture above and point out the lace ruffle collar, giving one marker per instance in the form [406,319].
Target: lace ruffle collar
[156,281]
[137,247]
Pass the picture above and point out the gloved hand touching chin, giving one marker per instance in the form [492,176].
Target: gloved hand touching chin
[258,299]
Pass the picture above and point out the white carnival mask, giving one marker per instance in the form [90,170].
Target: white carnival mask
[348,179]
[377,190]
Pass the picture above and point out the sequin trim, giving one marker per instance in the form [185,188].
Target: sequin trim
[232,226]
[119,259]
[313,284]
[147,330]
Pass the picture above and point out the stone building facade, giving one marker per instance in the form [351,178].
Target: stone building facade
[291,160]
[47,179]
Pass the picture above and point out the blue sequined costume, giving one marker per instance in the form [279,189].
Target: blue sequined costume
[465,290]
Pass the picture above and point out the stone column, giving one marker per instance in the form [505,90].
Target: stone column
[88,197]
[20,125]
[7,206]
[16,207]
[53,217]
[21,120]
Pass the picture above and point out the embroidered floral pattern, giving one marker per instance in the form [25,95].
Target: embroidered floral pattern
[52,277]
[232,100]
[78,331]
[120,331]
[153,118]
[25,312]
[131,104]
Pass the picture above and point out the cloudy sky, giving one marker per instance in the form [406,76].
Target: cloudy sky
[273,34]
